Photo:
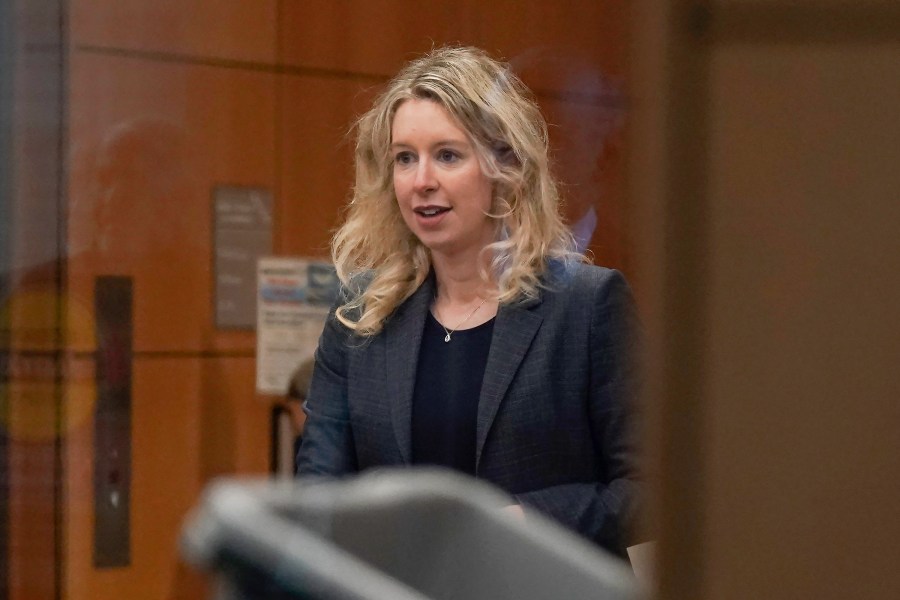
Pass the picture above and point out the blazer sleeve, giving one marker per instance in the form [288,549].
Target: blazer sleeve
[328,447]
[603,510]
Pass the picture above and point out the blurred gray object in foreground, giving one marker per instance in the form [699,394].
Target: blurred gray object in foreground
[406,534]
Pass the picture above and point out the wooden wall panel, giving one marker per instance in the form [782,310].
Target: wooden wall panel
[150,141]
[177,447]
[165,478]
[595,32]
[236,428]
[224,29]
[372,36]
[317,158]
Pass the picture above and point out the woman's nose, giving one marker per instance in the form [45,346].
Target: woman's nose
[425,181]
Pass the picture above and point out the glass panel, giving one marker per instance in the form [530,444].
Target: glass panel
[119,119]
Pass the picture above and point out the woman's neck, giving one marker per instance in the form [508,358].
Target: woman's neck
[459,281]
[462,298]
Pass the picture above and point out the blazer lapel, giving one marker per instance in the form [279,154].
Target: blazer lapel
[514,330]
[403,336]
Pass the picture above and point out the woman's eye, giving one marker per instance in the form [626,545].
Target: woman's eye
[447,156]
[403,158]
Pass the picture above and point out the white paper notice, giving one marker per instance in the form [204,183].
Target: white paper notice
[293,299]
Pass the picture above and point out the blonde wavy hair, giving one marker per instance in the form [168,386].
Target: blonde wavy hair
[379,260]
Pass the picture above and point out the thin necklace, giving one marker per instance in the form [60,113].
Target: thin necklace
[449,332]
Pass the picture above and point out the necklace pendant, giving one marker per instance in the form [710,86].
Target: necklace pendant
[447,338]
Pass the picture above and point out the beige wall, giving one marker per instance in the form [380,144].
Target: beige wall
[771,203]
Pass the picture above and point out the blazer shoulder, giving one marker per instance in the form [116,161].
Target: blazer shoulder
[583,279]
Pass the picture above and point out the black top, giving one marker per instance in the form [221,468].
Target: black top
[445,401]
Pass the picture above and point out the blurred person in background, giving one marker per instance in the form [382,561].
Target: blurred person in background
[470,334]
[298,386]
[585,111]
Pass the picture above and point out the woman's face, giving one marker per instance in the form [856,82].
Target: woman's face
[441,190]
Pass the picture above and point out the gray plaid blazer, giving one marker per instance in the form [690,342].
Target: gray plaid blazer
[553,426]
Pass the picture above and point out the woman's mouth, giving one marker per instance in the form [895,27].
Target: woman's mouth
[431,211]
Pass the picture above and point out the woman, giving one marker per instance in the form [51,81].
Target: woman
[469,334]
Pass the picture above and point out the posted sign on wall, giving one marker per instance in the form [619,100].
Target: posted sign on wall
[242,232]
[293,299]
